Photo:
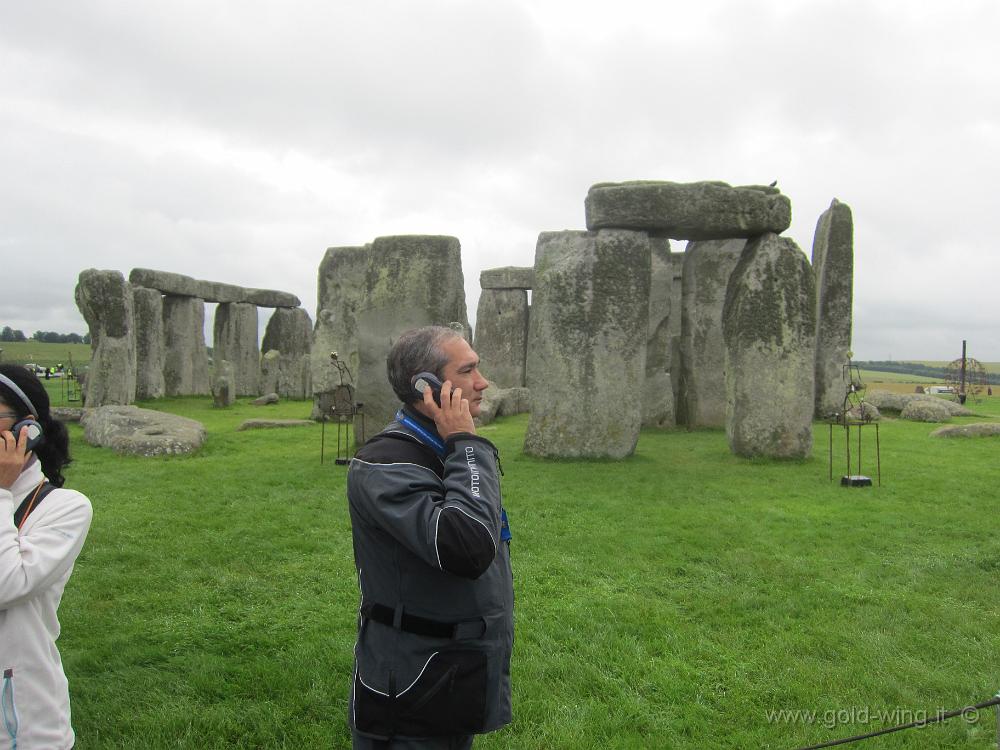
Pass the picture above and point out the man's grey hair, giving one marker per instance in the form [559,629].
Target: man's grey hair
[417,350]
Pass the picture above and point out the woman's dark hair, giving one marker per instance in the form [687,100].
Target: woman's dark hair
[53,452]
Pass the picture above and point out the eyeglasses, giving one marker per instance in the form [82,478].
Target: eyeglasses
[7,415]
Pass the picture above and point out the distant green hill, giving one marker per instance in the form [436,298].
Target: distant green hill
[928,369]
[46,355]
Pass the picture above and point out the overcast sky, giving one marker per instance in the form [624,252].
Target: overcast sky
[236,141]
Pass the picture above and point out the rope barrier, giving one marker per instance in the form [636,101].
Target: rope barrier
[995,701]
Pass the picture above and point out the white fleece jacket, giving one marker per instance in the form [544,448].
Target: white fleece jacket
[35,564]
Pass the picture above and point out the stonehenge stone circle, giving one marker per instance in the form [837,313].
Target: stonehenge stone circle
[289,331]
[587,343]
[688,211]
[701,398]
[235,341]
[105,301]
[185,358]
[769,323]
[833,265]
[508,277]
[148,305]
[658,393]
[502,335]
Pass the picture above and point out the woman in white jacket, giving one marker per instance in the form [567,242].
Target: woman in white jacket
[42,530]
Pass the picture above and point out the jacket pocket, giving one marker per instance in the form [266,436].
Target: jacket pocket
[448,696]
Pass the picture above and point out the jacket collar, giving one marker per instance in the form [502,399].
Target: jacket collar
[28,479]
[420,427]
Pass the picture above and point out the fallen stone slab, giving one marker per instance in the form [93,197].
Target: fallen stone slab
[888,401]
[979,429]
[269,398]
[508,277]
[918,410]
[142,432]
[67,413]
[688,211]
[268,424]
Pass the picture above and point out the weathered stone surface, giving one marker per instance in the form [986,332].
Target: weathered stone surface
[148,306]
[657,391]
[342,275]
[676,293]
[410,281]
[865,412]
[105,301]
[896,402]
[210,291]
[215,291]
[833,265]
[769,324]
[979,429]
[185,357]
[67,413]
[164,281]
[502,402]
[289,331]
[269,424]
[502,335]
[270,398]
[270,371]
[922,410]
[142,432]
[688,211]
[271,298]
[587,343]
[701,397]
[223,384]
[508,277]
[235,341]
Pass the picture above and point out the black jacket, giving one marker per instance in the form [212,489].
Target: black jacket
[435,628]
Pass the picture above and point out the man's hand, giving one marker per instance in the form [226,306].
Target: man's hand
[453,414]
[13,456]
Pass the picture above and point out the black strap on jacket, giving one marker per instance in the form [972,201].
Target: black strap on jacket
[422,625]
[31,502]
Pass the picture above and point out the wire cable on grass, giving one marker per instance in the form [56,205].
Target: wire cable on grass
[994,701]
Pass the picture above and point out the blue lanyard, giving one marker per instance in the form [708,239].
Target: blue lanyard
[432,440]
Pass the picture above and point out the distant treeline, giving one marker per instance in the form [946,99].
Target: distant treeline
[45,337]
[915,368]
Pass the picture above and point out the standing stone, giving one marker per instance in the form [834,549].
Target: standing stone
[833,265]
[587,343]
[689,211]
[270,371]
[676,293]
[290,332]
[148,305]
[508,277]
[185,358]
[105,301]
[223,384]
[702,390]
[235,341]
[502,335]
[410,281]
[658,392]
[341,284]
[770,332]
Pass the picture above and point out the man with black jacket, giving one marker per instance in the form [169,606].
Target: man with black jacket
[431,546]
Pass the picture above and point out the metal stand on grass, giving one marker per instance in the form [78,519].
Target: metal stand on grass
[340,407]
[855,414]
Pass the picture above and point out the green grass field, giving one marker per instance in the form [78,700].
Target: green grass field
[678,599]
